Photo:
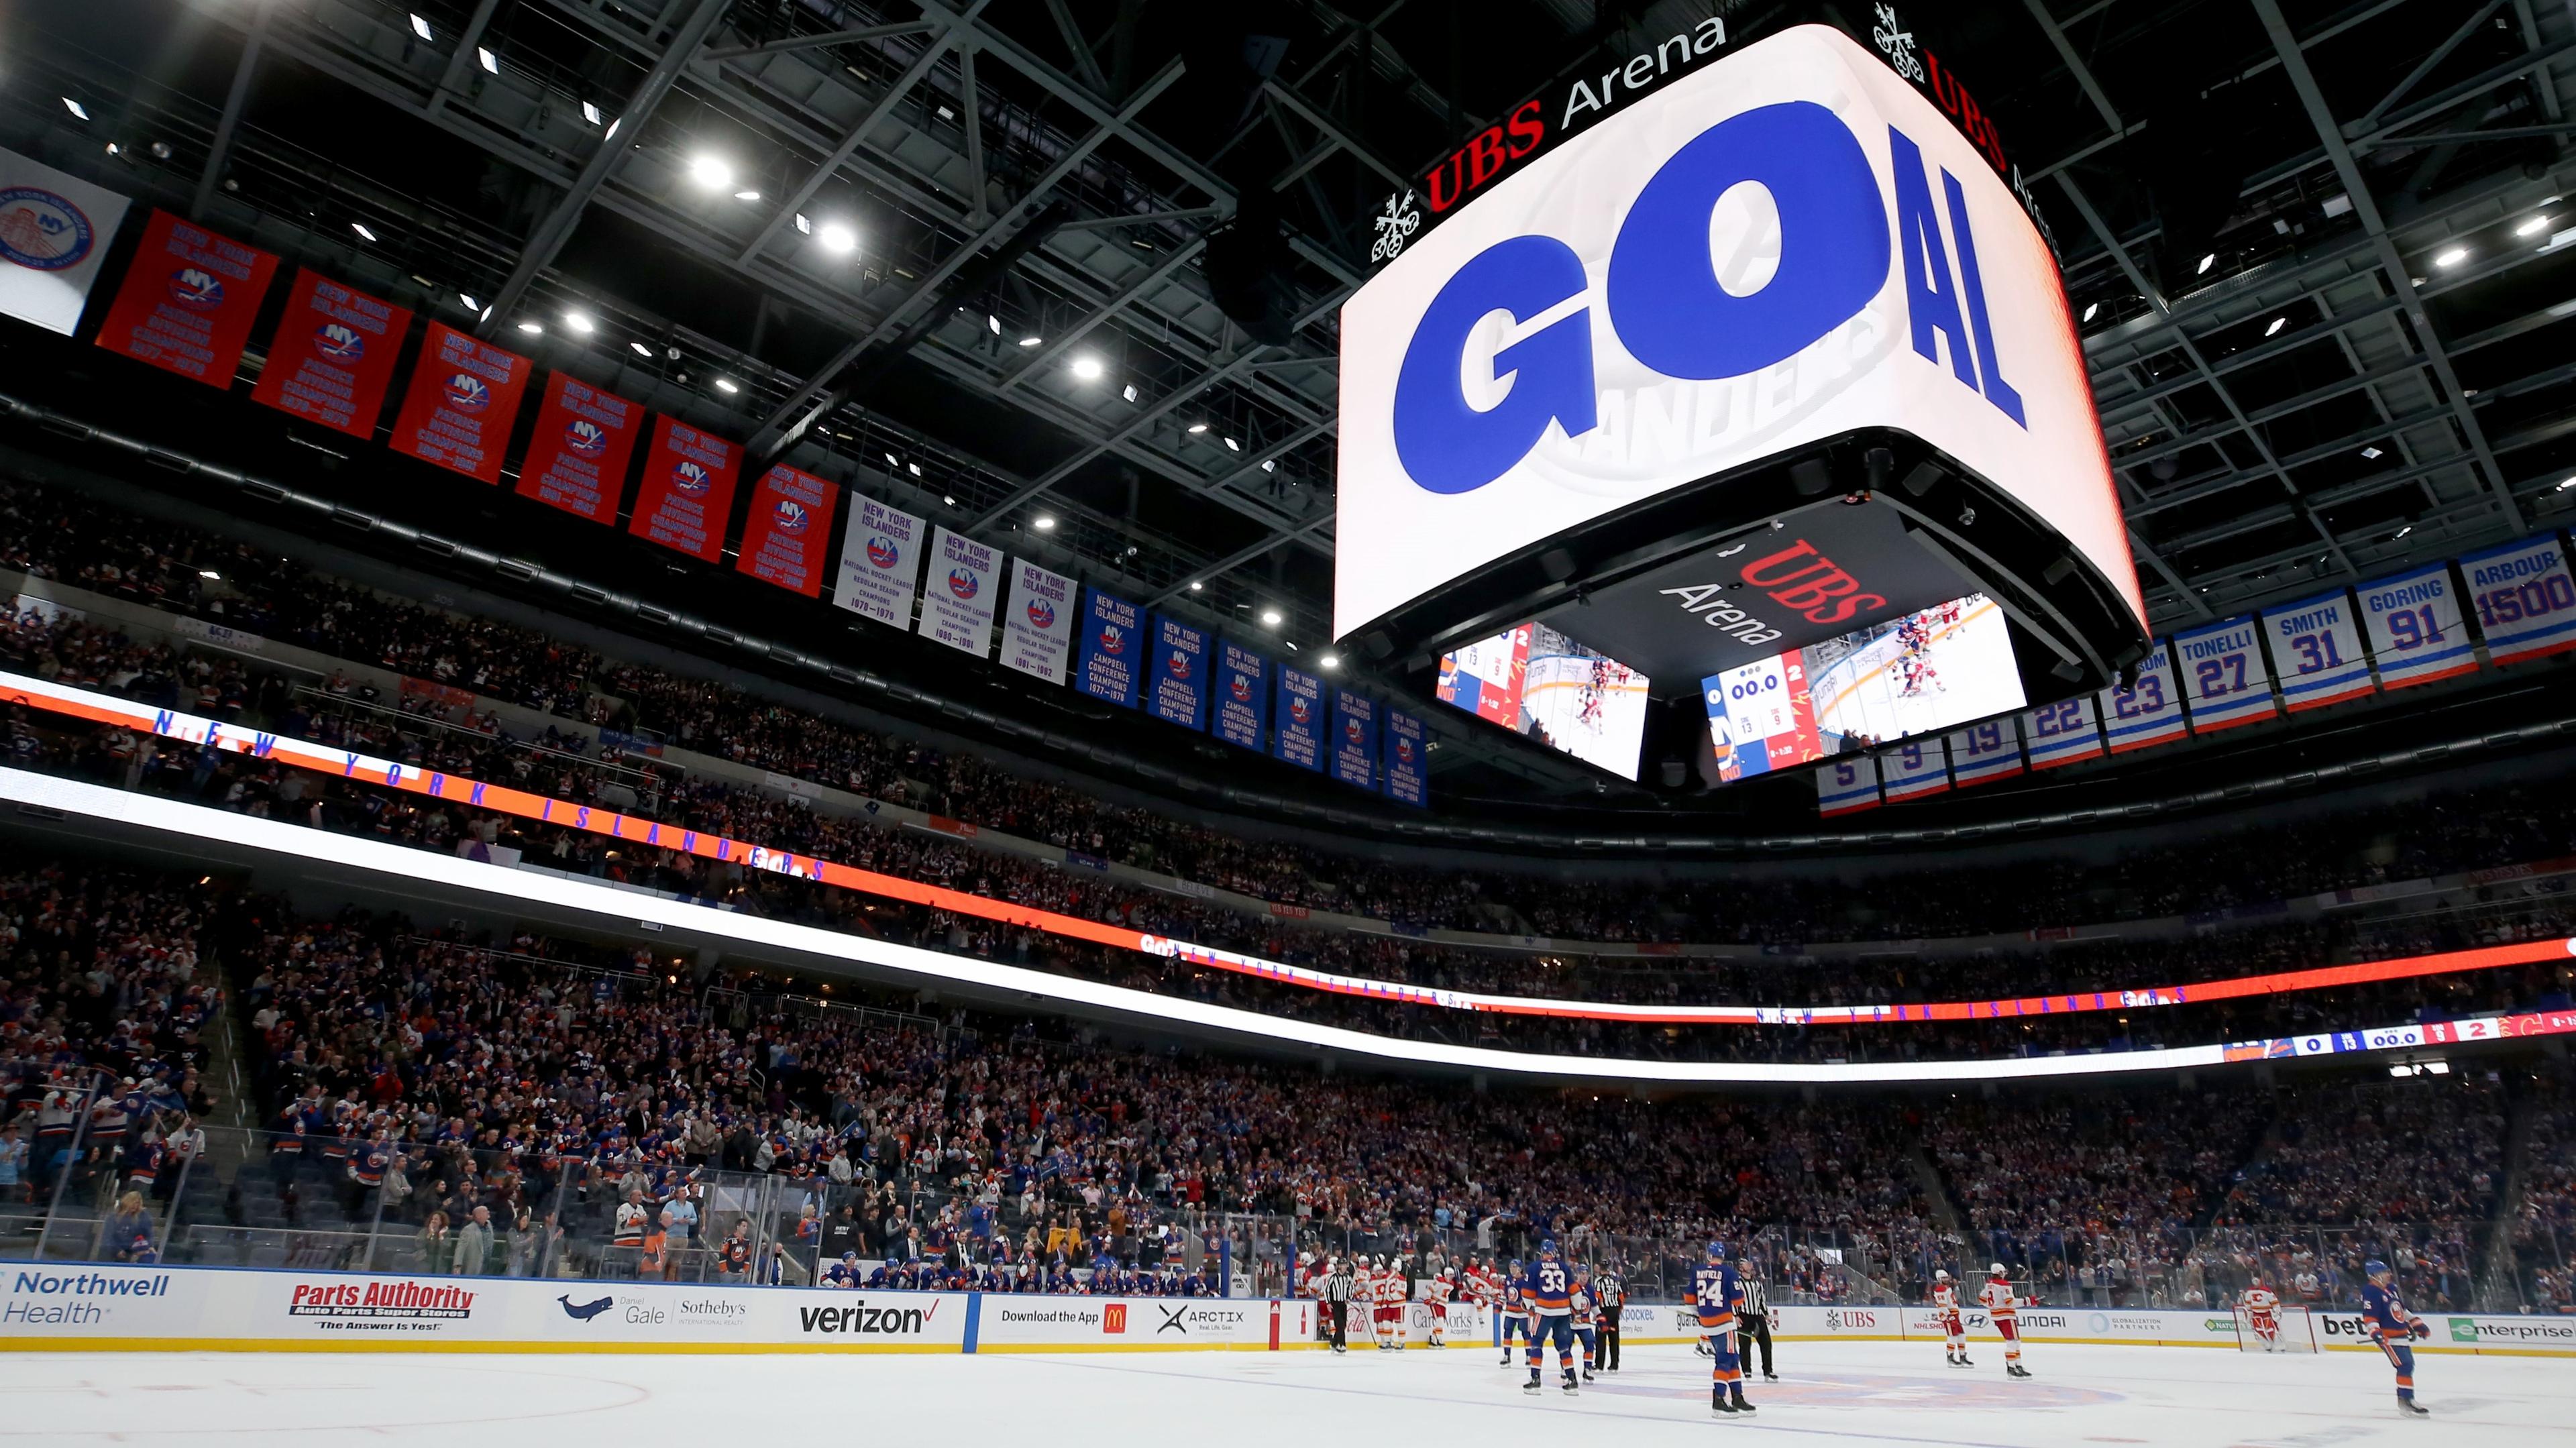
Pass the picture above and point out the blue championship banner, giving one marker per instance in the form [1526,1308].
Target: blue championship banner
[1354,739]
[1111,645]
[2149,711]
[1914,769]
[2063,733]
[2525,600]
[1984,752]
[2223,675]
[2416,635]
[1180,673]
[1297,727]
[1242,695]
[2316,646]
[1847,786]
[1407,759]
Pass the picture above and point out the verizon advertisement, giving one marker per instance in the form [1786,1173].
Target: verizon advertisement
[1786,244]
[188,301]
[334,355]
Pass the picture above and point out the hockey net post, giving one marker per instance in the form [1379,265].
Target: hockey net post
[2294,1331]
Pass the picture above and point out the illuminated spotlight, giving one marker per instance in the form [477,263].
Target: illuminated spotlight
[837,239]
[2452,257]
[210,575]
[2533,227]
[1232,446]
[1031,340]
[1292,645]
[2206,263]
[949,498]
[892,461]
[467,298]
[728,385]
[1087,368]
[114,149]
[590,112]
[803,224]
[360,227]
[1330,661]
[1128,392]
[639,349]
[420,28]
[992,324]
[946,114]
[491,63]
[746,196]
[1270,618]
[533,328]
[1045,522]
[580,322]
[75,108]
[1195,585]
[1270,465]
[2277,324]
[2091,309]
[712,172]
[913,468]
[2402,532]
[1197,427]
[2564,484]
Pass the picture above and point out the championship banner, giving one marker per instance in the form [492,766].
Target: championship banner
[880,562]
[1847,786]
[1112,643]
[1408,759]
[577,457]
[188,300]
[464,395]
[1180,673]
[782,540]
[2062,733]
[54,232]
[2148,712]
[2316,645]
[2223,675]
[1037,632]
[688,490]
[1984,752]
[333,356]
[2525,600]
[1297,727]
[1354,739]
[1914,769]
[957,606]
[1242,696]
[2416,634]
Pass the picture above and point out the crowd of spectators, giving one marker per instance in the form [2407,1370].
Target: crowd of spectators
[2544,1228]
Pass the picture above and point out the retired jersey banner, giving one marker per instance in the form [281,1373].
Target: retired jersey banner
[2316,647]
[1847,786]
[1408,759]
[1354,739]
[1297,725]
[577,458]
[2223,675]
[2416,635]
[2062,733]
[2525,600]
[1037,631]
[688,490]
[2148,711]
[464,395]
[1113,642]
[1984,752]
[782,540]
[1180,673]
[881,551]
[957,603]
[333,356]
[54,232]
[1242,695]
[1914,769]
[188,301]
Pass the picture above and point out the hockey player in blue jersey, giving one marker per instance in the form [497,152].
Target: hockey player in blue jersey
[1511,1314]
[1719,1295]
[2394,1328]
[1548,1289]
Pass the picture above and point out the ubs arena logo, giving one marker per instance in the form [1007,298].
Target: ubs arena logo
[1786,245]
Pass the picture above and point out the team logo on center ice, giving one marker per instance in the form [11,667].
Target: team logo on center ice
[1041,613]
[42,230]
[467,393]
[690,478]
[585,437]
[339,342]
[882,553]
[196,289]
[791,516]
[963,582]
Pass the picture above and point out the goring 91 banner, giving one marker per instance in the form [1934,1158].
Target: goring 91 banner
[1180,673]
[880,562]
[577,457]
[54,232]
[688,490]
[1355,739]
[188,300]
[464,395]
[2416,632]
[333,356]
[1297,725]
[782,540]
[1113,642]
[1242,696]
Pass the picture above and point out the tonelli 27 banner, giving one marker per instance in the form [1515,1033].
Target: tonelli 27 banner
[1037,629]
[1408,759]
[333,356]
[957,602]
[1113,645]
[54,233]
[2223,675]
[687,491]
[782,540]
[2415,630]
[2524,598]
[188,301]
[1242,695]
[577,459]
[881,552]
[2316,645]
[1354,739]
[2149,711]
[464,395]
[1179,673]
[1297,725]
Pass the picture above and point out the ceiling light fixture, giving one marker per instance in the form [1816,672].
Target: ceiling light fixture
[2452,257]
[2277,324]
[837,239]
[727,385]
[491,63]
[1045,522]
[75,108]
[1232,446]
[1330,661]
[2206,263]
[892,461]
[949,498]
[2533,227]
[1196,586]
[640,349]
[360,227]
[746,196]
[913,468]
[580,322]
[1087,368]
[2091,309]
[590,112]
[2564,484]
[533,328]
[1128,392]
[1031,340]
[712,172]
[804,224]
[1270,465]
[1197,427]
[992,324]
[467,298]
[420,28]
[2402,532]
[2370,452]
[210,575]
[1270,618]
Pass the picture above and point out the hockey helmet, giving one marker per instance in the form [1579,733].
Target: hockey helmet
[2374,1269]
[1547,1248]
[1996,1270]
[1941,1275]
[1717,1251]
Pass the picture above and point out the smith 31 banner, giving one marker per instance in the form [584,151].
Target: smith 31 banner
[188,301]
[464,395]
[957,603]
[1408,759]
[1297,725]
[577,457]
[1914,769]
[2316,645]
[1847,786]
[2149,711]
[881,551]
[1037,630]
[1179,673]
[688,490]
[2062,733]
[333,356]
[1354,739]
[2223,675]
[1984,752]
[2524,598]
[782,540]
[1242,695]
[2415,630]
[1113,644]
[54,232]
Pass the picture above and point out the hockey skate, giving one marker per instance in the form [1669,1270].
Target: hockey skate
[2015,1370]
[1569,1385]
[1717,1402]
[1769,1376]
[2413,1409]
[1531,1387]
[1741,1405]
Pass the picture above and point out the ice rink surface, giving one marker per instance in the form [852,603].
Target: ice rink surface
[1837,1393]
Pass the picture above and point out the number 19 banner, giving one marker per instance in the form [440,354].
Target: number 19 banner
[2223,675]
[2317,646]
[1984,752]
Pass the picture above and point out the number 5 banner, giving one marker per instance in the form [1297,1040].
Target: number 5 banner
[2318,649]
[2149,711]
[1847,786]
[2223,675]
[2416,635]
[2526,601]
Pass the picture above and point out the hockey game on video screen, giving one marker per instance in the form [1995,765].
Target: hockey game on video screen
[1916,674]
[1536,681]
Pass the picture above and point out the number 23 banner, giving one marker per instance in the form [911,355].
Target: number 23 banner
[2148,711]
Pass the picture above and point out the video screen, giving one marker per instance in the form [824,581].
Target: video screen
[1536,681]
[1921,673]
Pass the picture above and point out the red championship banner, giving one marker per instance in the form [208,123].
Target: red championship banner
[188,301]
[688,490]
[782,543]
[334,355]
[577,458]
[464,395]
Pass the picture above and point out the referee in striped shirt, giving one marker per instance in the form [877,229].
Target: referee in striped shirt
[1753,1321]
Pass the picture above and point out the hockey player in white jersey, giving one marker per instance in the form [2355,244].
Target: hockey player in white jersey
[1945,1303]
[2263,1314]
[2002,1308]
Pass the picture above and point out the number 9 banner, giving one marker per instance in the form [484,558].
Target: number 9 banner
[1915,768]
[2223,675]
